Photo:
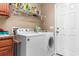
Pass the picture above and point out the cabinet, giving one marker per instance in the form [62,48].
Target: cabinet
[6,51]
[4,9]
[6,47]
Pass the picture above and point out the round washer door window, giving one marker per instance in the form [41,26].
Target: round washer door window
[51,42]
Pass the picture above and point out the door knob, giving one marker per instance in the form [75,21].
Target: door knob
[57,31]
[57,28]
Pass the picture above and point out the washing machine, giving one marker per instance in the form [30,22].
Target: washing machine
[36,44]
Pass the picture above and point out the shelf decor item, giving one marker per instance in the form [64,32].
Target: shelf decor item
[21,5]
[25,9]
[24,6]
[17,5]
[27,6]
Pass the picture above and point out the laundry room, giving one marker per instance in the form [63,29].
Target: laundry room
[27,29]
[39,29]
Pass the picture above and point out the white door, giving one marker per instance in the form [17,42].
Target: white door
[65,29]
[75,48]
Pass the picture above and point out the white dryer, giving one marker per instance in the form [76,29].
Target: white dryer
[36,44]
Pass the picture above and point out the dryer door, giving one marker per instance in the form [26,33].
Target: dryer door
[51,42]
[49,45]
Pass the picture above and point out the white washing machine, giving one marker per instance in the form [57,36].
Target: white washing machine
[36,44]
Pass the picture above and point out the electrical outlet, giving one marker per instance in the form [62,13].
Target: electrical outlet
[51,27]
